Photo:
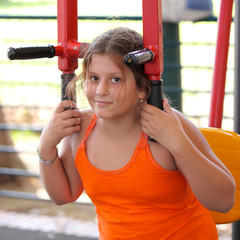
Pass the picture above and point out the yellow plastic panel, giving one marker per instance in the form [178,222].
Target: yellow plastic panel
[226,145]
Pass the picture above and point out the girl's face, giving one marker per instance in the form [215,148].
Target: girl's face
[111,91]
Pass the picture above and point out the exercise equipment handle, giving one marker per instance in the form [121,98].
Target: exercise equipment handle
[135,58]
[31,52]
[156,96]
[138,57]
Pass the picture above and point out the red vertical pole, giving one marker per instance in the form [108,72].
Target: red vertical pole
[67,18]
[153,40]
[152,37]
[220,65]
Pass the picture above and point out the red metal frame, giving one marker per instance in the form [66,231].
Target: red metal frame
[69,48]
[152,37]
[220,65]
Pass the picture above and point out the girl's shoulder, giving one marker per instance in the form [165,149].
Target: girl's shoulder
[86,117]
[76,138]
[195,135]
[162,156]
[191,130]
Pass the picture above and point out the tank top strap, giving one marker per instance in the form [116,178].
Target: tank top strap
[89,129]
[143,140]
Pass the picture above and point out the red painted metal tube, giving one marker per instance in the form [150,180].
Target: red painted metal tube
[67,18]
[152,37]
[220,65]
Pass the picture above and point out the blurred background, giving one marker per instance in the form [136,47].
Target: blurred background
[30,89]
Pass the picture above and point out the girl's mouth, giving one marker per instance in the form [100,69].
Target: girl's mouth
[102,103]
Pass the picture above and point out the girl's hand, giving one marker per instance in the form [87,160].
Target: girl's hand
[163,126]
[65,121]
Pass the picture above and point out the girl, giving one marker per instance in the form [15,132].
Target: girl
[141,189]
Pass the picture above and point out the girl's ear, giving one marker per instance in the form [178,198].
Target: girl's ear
[142,93]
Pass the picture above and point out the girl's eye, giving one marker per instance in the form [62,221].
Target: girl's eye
[94,78]
[115,80]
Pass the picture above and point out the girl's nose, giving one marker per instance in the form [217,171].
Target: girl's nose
[102,88]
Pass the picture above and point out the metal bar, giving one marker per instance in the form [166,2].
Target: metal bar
[220,65]
[236,230]
[27,106]
[21,195]
[20,127]
[153,40]
[67,31]
[32,196]
[237,69]
[12,149]
[172,71]
[8,149]
[17,172]
[65,80]
[108,18]
[236,225]
[152,37]
[31,52]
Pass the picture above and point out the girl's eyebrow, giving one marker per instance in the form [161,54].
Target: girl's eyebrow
[110,74]
[92,73]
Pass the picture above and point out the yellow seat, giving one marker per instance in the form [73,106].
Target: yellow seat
[226,145]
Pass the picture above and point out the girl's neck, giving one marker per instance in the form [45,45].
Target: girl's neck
[120,127]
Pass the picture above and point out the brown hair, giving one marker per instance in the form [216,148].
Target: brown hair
[117,43]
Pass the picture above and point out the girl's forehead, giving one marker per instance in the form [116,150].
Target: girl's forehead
[115,58]
[112,60]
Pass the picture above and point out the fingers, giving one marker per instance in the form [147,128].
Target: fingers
[71,119]
[74,121]
[62,123]
[66,121]
[71,113]
[153,118]
[150,109]
[67,109]
[66,104]
[167,108]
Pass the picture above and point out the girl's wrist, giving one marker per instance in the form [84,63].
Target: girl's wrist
[177,144]
[181,147]
[47,157]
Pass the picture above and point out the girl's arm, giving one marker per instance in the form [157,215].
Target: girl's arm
[60,179]
[209,179]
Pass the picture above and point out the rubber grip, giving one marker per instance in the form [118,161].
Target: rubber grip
[156,96]
[138,57]
[31,52]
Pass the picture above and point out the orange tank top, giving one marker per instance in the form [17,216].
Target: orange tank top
[142,200]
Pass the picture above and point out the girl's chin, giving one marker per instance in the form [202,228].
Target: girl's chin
[101,113]
[104,114]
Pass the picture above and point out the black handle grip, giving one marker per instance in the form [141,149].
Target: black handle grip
[31,52]
[138,57]
[156,96]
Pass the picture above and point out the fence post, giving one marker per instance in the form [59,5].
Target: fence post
[172,70]
[220,64]
[236,225]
